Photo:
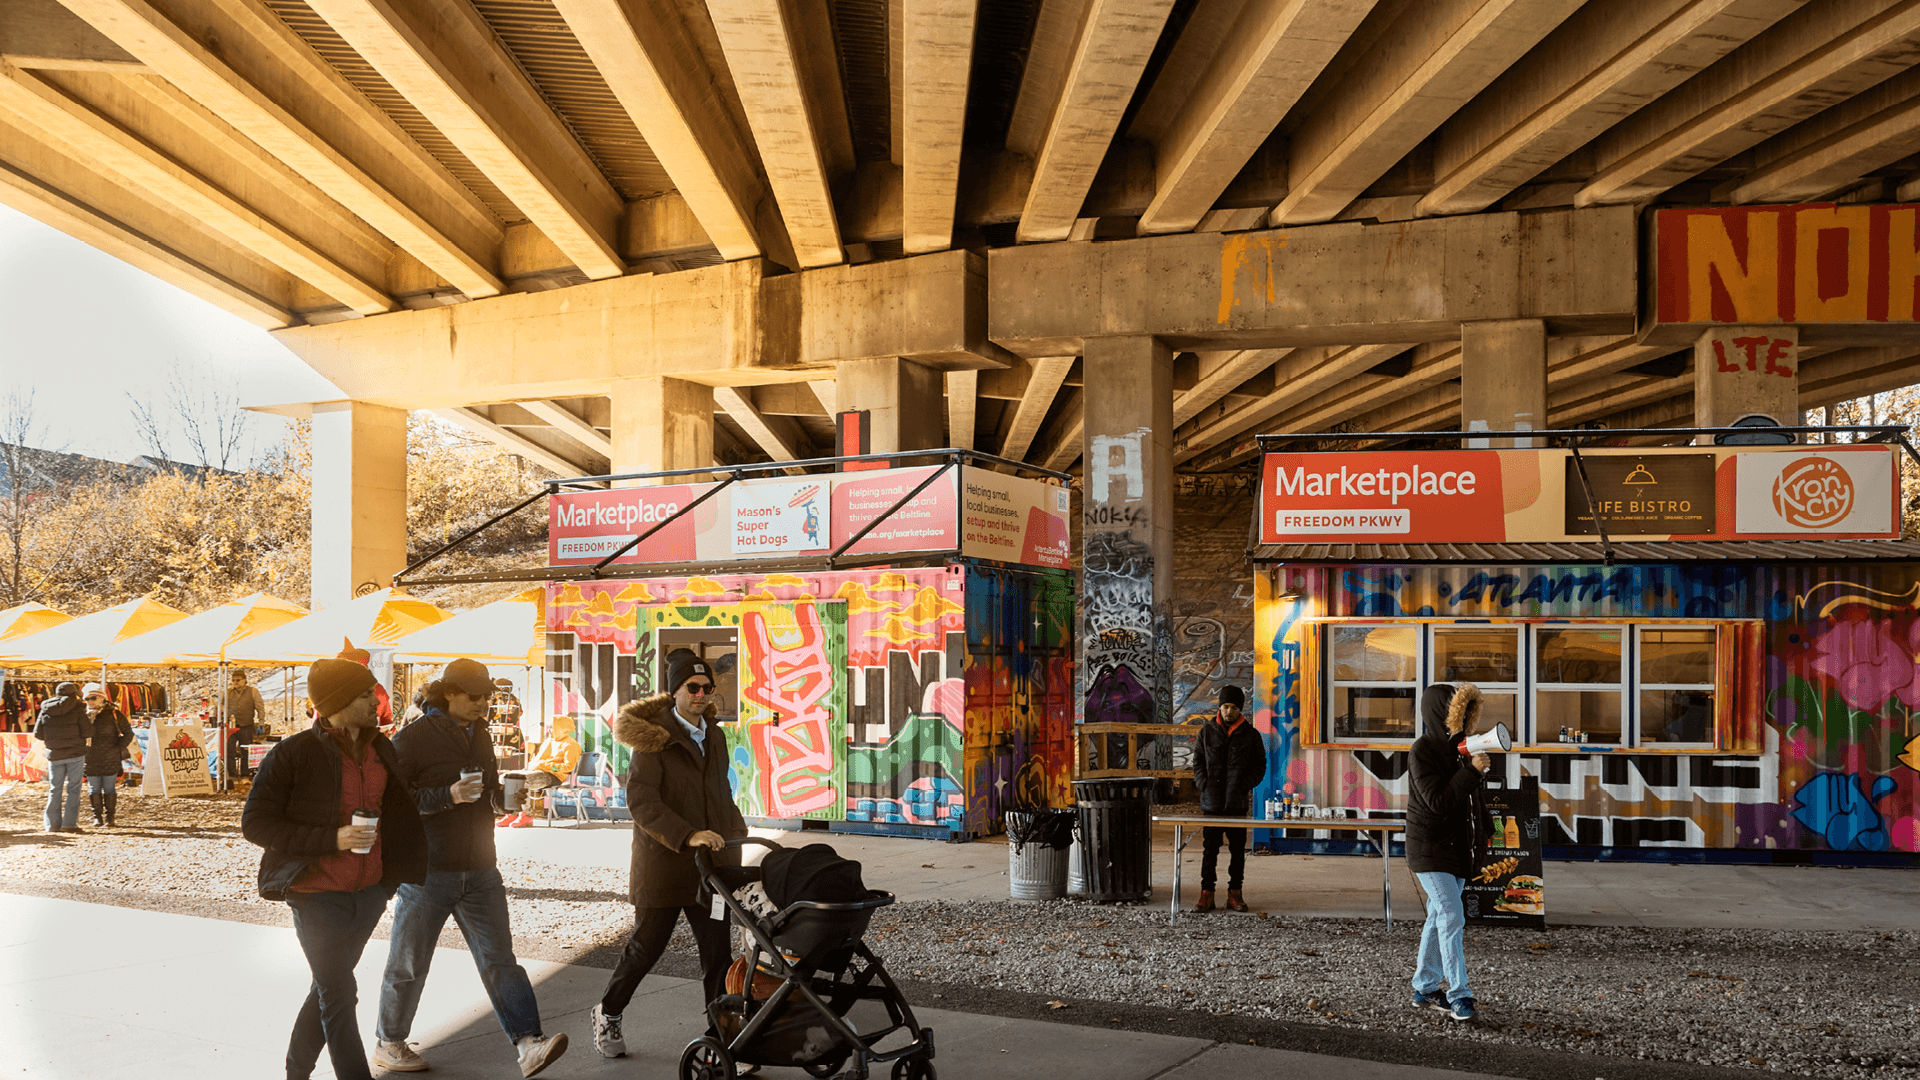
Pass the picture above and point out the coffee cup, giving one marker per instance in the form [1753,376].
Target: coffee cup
[365,817]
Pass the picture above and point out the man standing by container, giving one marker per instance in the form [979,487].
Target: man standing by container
[446,759]
[1447,824]
[1229,761]
[340,832]
[62,728]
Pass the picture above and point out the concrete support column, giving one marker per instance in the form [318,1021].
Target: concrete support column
[1503,375]
[359,500]
[1126,585]
[1743,370]
[906,402]
[661,423]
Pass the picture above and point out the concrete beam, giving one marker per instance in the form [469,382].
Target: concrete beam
[1330,284]
[1298,376]
[1795,69]
[1056,36]
[788,399]
[931,309]
[1218,374]
[1271,55]
[902,401]
[513,442]
[41,33]
[963,401]
[1068,444]
[1847,374]
[442,56]
[1605,61]
[1867,132]
[765,56]
[661,424]
[95,138]
[779,436]
[937,44]
[1437,56]
[572,426]
[1115,43]
[827,391]
[1048,373]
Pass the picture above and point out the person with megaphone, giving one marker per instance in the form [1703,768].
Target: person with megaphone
[1447,828]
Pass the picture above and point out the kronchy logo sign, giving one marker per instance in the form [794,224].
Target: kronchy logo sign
[1813,493]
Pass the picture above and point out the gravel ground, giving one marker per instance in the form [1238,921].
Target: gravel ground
[1645,1002]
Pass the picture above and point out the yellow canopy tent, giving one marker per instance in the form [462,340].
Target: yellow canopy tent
[203,640]
[510,631]
[27,619]
[378,619]
[84,642]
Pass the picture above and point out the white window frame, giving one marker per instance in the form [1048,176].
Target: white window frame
[1430,666]
[1713,687]
[1328,733]
[1627,732]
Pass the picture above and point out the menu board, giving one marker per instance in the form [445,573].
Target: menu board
[1507,888]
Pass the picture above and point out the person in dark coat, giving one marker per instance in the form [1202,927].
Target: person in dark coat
[62,728]
[1447,825]
[1229,761]
[678,792]
[108,734]
[336,876]
[437,753]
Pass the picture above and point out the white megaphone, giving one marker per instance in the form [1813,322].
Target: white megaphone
[1496,741]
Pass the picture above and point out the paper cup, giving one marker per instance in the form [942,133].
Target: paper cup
[364,817]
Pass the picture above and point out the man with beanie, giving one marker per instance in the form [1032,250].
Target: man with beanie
[108,734]
[1447,825]
[446,760]
[334,874]
[678,792]
[63,728]
[1229,760]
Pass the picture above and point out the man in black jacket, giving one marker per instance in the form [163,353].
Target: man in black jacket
[1446,826]
[62,727]
[1229,761]
[335,874]
[446,759]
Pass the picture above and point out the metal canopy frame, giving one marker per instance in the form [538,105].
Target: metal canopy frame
[948,458]
[1571,438]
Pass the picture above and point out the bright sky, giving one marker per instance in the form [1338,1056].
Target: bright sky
[83,330]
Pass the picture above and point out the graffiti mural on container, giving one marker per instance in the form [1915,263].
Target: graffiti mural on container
[1832,765]
[1019,705]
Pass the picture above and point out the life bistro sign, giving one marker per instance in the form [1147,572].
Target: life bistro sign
[1535,496]
[979,513]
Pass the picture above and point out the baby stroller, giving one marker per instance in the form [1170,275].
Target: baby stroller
[807,968]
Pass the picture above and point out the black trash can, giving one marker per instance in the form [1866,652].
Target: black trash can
[1116,836]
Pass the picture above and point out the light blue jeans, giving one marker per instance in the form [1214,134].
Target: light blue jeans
[1443,950]
[477,901]
[70,774]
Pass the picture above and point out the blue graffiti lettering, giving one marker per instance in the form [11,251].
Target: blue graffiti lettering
[1545,591]
[1831,805]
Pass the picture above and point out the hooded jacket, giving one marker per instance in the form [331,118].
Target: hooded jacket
[433,751]
[673,791]
[110,734]
[63,727]
[1447,824]
[1227,766]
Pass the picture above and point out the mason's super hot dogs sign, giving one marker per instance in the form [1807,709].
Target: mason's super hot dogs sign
[1536,496]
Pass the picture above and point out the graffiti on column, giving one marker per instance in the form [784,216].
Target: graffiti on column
[1125,650]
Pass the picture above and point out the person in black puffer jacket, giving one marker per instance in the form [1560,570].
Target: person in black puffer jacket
[62,727]
[108,735]
[1229,761]
[1447,826]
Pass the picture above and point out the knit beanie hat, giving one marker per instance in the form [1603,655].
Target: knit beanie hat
[469,677]
[1233,695]
[684,664]
[92,688]
[67,689]
[358,656]
[333,684]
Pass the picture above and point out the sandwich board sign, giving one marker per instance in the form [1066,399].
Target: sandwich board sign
[1507,888]
[178,753]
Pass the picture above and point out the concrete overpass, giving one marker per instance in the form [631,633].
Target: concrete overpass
[643,234]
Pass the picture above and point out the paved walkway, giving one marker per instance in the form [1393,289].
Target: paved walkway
[1578,893]
[103,993]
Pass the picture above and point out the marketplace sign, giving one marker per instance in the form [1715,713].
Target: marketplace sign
[981,514]
[1535,496]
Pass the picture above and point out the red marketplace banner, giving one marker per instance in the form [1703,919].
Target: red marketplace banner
[1408,497]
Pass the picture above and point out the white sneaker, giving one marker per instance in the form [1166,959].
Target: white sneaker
[539,1051]
[606,1034]
[398,1057]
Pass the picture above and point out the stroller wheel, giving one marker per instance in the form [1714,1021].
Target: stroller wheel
[914,1068]
[705,1059]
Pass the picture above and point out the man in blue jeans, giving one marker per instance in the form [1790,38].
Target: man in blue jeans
[63,728]
[446,758]
[1447,824]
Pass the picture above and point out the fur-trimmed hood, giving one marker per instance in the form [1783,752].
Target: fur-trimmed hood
[648,725]
[1445,703]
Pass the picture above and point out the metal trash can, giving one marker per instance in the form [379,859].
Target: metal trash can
[1116,834]
[1037,842]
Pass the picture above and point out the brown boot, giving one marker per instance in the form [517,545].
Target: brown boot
[1234,903]
[1206,902]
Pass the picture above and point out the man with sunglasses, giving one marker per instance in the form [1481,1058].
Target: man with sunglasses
[678,793]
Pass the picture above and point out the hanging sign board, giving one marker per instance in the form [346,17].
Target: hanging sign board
[1507,887]
[1644,493]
